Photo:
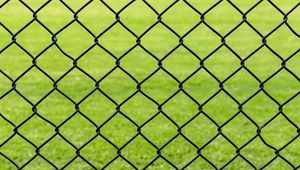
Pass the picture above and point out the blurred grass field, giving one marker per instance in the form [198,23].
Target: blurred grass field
[75,40]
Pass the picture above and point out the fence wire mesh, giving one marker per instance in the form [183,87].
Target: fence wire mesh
[120,115]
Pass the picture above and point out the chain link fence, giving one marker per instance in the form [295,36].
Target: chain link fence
[194,138]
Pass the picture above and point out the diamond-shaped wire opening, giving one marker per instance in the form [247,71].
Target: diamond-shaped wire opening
[283,41]
[180,108]
[279,132]
[291,152]
[202,40]
[34,85]
[118,85]
[200,130]
[139,63]
[244,5]
[56,108]
[186,17]
[119,163]
[260,108]
[160,6]
[260,18]
[15,108]
[79,163]
[139,108]
[244,40]
[239,130]
[179,151]
[6,129]
[160,163]
[117,5]
[153,38]
[196,87]
[238,163]
[93,13]
[159,130]
[181,63]
[58,151]
[257,153]
[54,63]
[223,17]
[8,60]
[293,19]
[76,84]
[34,38]
[78,136]
[222,58]
[282,86]
[139,152]
[292,64]
[96,62]
[117,40]
[74,40]
[138,23]
[285,6]
[6,164]
[160,86]
[291,109]
[258,61]
[34,4]
[242,85]
[219,151]
[118,130]
[202,6]
[25,150]
[220,108]
[99,152]
[5,37]
[37,130]
[279,163]
[97,107]
[54,15]
[38,162]
[75,4]
[199,163]
[5,84]
[9,15]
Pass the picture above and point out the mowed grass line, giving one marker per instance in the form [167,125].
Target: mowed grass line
[75,40]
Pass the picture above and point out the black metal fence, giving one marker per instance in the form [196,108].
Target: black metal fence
[242,60]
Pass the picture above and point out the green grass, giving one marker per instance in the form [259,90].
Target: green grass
[74,40]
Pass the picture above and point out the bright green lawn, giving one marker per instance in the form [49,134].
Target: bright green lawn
[75,40]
